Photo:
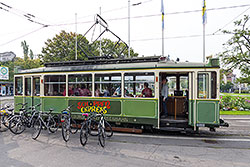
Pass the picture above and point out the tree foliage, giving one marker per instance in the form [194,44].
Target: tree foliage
[62,48]
[237,54]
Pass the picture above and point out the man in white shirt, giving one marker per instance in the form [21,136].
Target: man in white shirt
[164,96]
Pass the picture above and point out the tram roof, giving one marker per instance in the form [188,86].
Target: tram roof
[155,62]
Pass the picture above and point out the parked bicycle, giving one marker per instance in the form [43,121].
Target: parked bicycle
[68,124]
[18,123]
[6,113]
[46,120]
[90,123]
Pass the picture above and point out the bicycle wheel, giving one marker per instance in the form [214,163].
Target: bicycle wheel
[101,135]
[108,129]
[53,124]
[65,130]
[37,127]
[16,125]
[84,134]
[73,126]
[5,120]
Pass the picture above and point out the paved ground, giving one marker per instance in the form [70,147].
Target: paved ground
[128,150]
[227,147]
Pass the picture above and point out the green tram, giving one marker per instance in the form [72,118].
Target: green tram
[114,87]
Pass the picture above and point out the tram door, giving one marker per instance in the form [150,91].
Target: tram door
[27,91]
[206,103]
[36,82]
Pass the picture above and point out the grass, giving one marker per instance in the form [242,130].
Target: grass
[234,112]
[236,94]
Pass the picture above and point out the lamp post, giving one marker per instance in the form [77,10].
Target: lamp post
[135,4]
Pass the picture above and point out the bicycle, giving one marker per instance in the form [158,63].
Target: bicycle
[67,124]
[86,127]
[6,114]
[18,123]
[89,125]
[51,124]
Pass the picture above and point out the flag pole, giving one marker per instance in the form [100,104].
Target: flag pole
[204,21]
[162,19]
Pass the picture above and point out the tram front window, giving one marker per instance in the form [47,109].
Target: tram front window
[55,85]
[135,84]
[80,85]
[18,85]
[107,85]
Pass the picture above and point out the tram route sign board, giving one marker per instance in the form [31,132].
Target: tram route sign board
[4,73]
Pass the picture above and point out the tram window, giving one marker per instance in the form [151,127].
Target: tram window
[171,84]
[213,85]
[27,86]
[36,86]
[134,84]
[80,85]
[203,87]
[19,86]
[54,85]
[108,85]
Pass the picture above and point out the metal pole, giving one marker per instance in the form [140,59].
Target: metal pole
[163,42]
[76,36]
[204,43]
[100,37]
[128,28]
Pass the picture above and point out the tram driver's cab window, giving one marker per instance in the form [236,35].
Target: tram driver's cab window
[107,85]
[36,86]
[18,85]
[207,88]
[80,85]
[139,85]
[55,85]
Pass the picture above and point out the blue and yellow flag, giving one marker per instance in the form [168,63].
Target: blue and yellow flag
[204,12]
[162,14]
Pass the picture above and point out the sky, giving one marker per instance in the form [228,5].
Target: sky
[182,31]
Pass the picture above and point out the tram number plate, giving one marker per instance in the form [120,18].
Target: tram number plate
[201,125]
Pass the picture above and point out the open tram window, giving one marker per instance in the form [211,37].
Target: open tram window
[108,85]
[137,83]
[55,85]
[18,85]
[36,86]
[27,86]
[80,85]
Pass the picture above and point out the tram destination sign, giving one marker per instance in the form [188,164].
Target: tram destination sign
[4,73]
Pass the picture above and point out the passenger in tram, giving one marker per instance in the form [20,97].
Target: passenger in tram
[146,92]
[164,97]
[84,91]
[77,90]
[97,91]
[118,92]
[71,91]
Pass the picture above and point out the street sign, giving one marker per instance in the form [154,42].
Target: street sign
[4,73]
[7,56]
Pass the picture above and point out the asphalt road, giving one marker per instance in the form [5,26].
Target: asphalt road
[227,147]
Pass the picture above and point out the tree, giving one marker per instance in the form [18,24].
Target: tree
[62,48]
[25,49]
[237,54]
[108,48]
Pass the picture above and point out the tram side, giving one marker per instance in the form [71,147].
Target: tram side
[193,99]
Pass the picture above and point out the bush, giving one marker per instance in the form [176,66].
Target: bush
[234,103]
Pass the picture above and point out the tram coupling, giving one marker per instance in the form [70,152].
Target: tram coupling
[223,123]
